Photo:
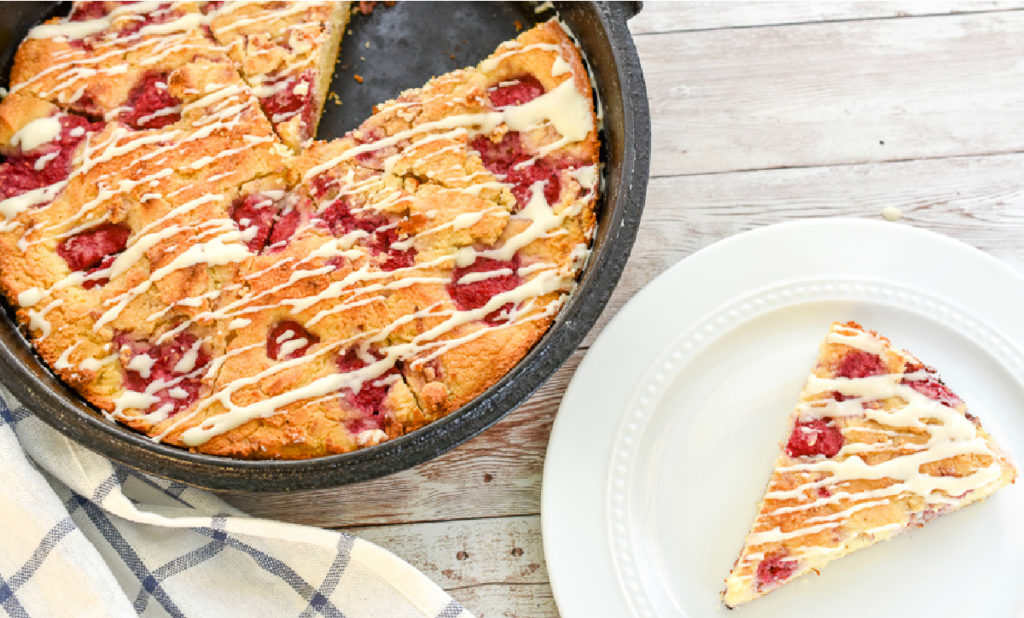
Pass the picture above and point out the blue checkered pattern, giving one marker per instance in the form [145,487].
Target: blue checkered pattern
[87,537]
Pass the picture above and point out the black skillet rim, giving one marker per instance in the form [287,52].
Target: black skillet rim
[59,406]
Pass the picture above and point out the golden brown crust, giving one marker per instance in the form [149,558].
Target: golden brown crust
[867,406]
[251,303]
[277,48]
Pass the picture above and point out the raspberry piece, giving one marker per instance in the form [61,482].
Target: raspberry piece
[254,212]
[291,338]
[322,186]
[375,158]
[372,393]
[774,569]
[104,264]
[341,220]
[270,223]
[382,243]
[19,174]
[88,250]
[285,102]
[178,364]
[476,294]
[816,437]
[90,9]
[285,228]
[150,105]
[523,90]
[162,13]
[508,159]
[860,364]
[933,388]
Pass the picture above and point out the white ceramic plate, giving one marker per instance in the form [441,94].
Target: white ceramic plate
[667,434]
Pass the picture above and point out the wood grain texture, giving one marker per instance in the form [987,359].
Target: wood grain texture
[677,16]
[979,200]
[835,93]
[508,600]
[463,553]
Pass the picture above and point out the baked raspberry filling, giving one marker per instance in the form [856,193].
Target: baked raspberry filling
[861,364]
[933,388]
[284,228]
[383,244]
[94,249]
[476,293]
[522,90]
[324,187]
[47,163]
[774,569]
[369,399]
[161,14]
[511,163]
[270,222]
[289,339]
[178,364]
[376,158]
[254,215]
[292,95]
[150,105]
[90,9]
[383,234]
[817,437]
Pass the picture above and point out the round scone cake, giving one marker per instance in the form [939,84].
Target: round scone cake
[183,254]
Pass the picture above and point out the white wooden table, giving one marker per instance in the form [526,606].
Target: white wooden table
[761,113]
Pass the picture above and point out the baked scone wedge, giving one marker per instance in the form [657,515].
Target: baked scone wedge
[877,444]
[286,51]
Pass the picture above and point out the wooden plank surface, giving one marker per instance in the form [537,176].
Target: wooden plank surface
[468,549]
[835,93]
[762,113]
[681,16]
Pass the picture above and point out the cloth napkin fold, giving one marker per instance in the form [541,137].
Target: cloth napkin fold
[83,536]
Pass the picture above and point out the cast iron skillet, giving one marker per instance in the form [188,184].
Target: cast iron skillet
[408,43]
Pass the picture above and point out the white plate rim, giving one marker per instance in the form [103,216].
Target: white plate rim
[584,579]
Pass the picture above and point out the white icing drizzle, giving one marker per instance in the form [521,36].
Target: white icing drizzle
[220,242]
[944,433]
[560,67]
[36,133]
[142,363]
[891,213]
[64,361]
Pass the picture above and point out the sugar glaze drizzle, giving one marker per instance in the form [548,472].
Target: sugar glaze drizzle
[219,242]
[949,433]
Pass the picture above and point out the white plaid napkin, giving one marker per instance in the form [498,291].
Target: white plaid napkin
[82,536]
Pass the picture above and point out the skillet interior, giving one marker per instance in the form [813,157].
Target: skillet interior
[462,33]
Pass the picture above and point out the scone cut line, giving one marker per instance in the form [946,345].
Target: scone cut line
[202,280]
[878,443]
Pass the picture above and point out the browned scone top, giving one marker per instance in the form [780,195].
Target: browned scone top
[174,260]
[877,444]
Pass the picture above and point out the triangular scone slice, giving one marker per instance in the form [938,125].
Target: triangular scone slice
[877,443]
[286,51]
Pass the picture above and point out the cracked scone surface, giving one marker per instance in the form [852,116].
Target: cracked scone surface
[183,255]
